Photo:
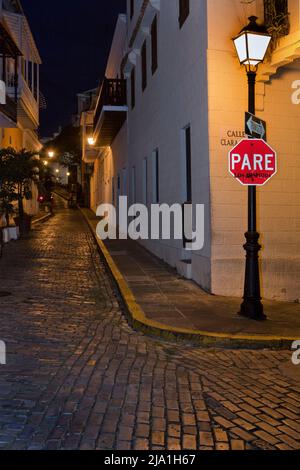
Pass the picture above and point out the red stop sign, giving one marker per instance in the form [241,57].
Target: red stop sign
[252,162]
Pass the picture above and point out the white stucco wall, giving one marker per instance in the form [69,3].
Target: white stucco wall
[199,83]
[117,49]
[176,96]
[279,200]
[111,161]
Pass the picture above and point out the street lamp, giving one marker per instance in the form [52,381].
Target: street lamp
[91,141]
[251,46]
[51,154]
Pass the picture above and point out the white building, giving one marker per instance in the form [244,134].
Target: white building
[106,159]
[19,72]
[187,95]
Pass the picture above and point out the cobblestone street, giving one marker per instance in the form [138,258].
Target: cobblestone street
[78,377]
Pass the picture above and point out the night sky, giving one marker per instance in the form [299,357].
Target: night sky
[73,38]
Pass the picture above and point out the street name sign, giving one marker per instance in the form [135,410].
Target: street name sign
[255,127]
[252,162]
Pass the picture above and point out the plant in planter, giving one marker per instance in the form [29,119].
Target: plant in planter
[7,196]
[21,170]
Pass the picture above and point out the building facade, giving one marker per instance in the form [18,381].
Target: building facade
[105,157]
[186,100]
[19,73]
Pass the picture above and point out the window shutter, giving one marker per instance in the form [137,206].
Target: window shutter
[184,11]
[131,8]
[144,66]
[132,86]
[154,45]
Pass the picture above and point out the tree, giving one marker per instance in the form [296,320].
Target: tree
[67,145]
[7,197]
[7,189]
[20,170]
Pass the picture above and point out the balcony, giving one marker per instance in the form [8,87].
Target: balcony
[28,108]
[110,112]
[288,47]
[9,56]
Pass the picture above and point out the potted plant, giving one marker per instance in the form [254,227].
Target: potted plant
[7,209]
[22,170]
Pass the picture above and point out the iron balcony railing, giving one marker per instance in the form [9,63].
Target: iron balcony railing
[112,93]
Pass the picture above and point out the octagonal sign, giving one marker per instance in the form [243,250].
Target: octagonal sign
[252,162]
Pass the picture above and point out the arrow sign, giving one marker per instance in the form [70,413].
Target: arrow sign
[255,127]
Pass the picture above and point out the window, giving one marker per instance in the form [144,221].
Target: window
[3,68]
[30,76]
[188,159]
[124,181]
[145,181]
[154,45]
[113,190]
[23,66]
[25,69]
[131,8]
[35,73]
[155,177]
[144,66]
[187,181]
[184,11]
[132,86]
[118,190]
[133,186]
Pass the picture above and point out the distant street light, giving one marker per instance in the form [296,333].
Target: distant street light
[91,141]
[45,163]
[57,171]
[68,174]
[252,45]
[51,154]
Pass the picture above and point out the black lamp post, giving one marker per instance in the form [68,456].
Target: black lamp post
[251,45]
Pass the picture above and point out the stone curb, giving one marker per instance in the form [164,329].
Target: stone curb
[137,318]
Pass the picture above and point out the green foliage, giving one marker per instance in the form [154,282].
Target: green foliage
[18,170]
[7,197]
[277,20]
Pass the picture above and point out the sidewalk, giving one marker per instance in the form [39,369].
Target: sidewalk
[159,300]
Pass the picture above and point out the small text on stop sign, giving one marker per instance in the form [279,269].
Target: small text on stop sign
[252,162]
